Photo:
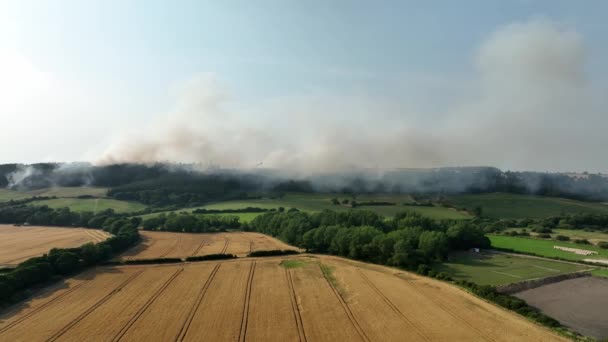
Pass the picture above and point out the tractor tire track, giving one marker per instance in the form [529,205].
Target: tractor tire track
[197,303]
[146,305]
[198,249]
[392,306]
[40,307]
[245,316]
[447,310]
[349,313]
[170,249]
[87,312]
[226,243]
[294,307]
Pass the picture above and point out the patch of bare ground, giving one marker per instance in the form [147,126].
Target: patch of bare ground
[580,304]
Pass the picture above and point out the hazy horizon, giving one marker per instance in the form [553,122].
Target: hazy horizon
[309,86]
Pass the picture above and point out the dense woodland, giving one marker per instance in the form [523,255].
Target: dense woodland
[186,185]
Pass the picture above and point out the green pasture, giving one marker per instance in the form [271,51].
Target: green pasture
[502,205]
[500,269]
[545,247]
[92,204]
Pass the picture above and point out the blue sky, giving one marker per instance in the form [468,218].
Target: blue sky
[128,59]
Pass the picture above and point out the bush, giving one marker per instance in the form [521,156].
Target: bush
[562,238]
[603,244]
[544,236]
[273,252]
[211,257]
[582,241]
[152,261]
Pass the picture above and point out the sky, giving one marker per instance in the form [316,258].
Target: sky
[307,85]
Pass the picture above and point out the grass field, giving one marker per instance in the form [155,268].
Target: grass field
[601,272]
[545,247]
[501,269]
[260,300]
[6,194]
[593,237]
[20,243]
[319,202]
[501,205]
[181,245]
[92,204]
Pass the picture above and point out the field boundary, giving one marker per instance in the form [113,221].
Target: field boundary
[538,282]
[146,305]
[297,315]
[347,310]
[391,305]
[245,316]
[94,307]
[197,303]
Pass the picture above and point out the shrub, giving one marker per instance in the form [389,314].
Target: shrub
[562,238]
[603,244]
[582,241]
[544,236]
[273,252]
[210,257]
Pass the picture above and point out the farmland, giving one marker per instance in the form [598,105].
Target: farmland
[502,205]
[501,269]
[318,202]
[61,192]
[20,243]
[545,247]
[316,299]
[92,204]
[181,245]
[578,303]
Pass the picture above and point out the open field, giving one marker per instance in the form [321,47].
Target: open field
[20,243]
[545,247]
[92,204]
[181,245]
[502,205]
[314,202]
[6,194]
[259,300]
[594,237]
[501,269]
[577,303]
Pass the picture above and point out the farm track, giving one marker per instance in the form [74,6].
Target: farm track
[447,310]
[295,307]
[40,307]
[186,326]
[225,246]
[198,249]
[100,302]
[172,247]
[145,307]
[245,316]
[392,306]
[347,310]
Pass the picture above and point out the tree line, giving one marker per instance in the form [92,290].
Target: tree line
[191,223]
[408,240]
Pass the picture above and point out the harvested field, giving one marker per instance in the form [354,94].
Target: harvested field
[577,303]
[181,245]
[21,243]
[257,299]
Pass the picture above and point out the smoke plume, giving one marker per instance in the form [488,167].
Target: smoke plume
[527,105]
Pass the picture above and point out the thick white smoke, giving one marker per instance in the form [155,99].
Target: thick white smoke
[529,106]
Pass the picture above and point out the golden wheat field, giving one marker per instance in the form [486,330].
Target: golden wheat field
[302,298]
[18,244]
[181,245]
